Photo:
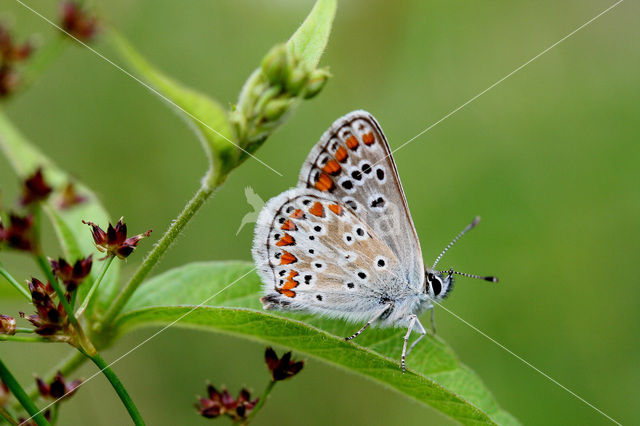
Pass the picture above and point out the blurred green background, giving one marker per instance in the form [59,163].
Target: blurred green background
[549,159]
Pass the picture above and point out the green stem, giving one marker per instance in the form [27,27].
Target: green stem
[43,58]
[54,413]
[261,402]
[156,253]
[21,395]
[22,338]
[5,415]
[56,286]
[14,283]
[94,287]
[119,388]
[24,330]
[45,267]
[81,341]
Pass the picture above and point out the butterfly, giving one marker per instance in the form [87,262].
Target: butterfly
[342,244]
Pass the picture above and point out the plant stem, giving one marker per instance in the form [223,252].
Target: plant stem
[5,415]
[21,395]
[30,338]
[43,58]
[24,330]
[81,340]
[119,388]
[14,283]
[261,402]
[54,413]
[94,287]
[45,267]
[156,253]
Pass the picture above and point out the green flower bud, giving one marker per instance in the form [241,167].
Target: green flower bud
[297,78]
[274,64]
[276,108]
[317,80]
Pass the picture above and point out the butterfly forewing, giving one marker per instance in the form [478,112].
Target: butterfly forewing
[353,163]
[316,254]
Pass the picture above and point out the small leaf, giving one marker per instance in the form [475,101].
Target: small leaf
[434,376]
[311,38]
[205,116]
[75,238]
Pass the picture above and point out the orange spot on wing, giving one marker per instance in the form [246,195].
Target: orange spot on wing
[287,258]
[324,183]
[352,142]
[297,214]
[368,138]
[291,283]
[286,240]
[287,293]
[336,209]
[341,154]
[289,226]
[317,209]
[332,167]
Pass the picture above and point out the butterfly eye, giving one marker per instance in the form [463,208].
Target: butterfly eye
[436,286]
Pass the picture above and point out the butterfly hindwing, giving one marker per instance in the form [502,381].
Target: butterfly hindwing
[316,254]
[353,163]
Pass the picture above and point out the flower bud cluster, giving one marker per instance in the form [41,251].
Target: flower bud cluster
[271,92]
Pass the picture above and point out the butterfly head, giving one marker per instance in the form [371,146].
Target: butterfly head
[438,284]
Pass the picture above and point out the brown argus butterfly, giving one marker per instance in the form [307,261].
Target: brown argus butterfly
[342,243]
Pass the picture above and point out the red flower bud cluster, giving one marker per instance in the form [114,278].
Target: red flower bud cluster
[114,241]
[221,403]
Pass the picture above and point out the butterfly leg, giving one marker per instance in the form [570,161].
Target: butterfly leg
[412,323]
[433,321]
[422,332]
[364,327]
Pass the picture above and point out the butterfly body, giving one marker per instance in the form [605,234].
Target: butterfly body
[342,244]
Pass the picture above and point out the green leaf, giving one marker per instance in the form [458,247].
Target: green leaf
[75,237]
[311,38]
[206,116]
[434,376]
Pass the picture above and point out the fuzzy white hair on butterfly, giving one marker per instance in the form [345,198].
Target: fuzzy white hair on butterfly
[342,244]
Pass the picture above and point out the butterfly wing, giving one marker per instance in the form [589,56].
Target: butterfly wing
[315,254]
[353,162]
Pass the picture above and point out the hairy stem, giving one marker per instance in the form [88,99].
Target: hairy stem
[21,395]
[94,287]
[119,388]
[261,402]
[156,253]
[14,283]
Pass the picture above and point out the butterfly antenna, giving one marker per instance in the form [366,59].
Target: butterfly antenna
[457,237]
[480,277]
